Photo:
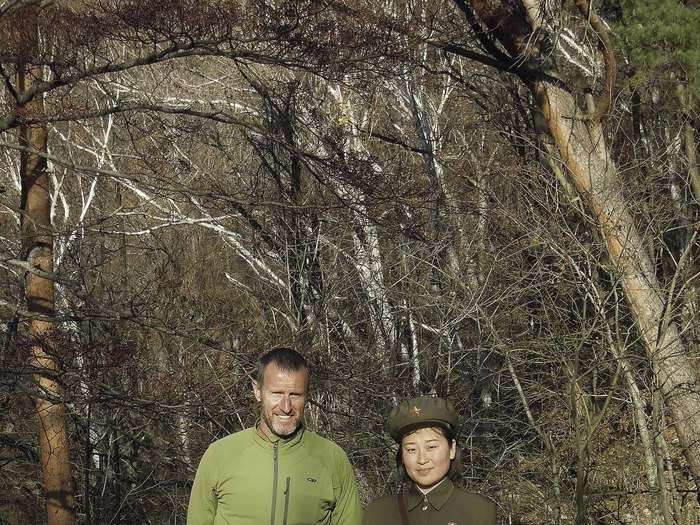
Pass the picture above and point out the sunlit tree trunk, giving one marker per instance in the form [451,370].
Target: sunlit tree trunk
[38,249]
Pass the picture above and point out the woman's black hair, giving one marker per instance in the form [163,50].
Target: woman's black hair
[455,465]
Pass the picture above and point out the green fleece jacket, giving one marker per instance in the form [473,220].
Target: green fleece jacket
[246,479]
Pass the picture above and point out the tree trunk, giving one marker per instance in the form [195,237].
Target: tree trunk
[580,142]
[653,475]
[689,141]
[38,249]
[368,259]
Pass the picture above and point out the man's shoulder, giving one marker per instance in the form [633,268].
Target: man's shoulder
[326,452]
[323,445]
[233,442]
[319,440]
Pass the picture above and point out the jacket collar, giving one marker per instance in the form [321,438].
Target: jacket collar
[436,497]
[269,442]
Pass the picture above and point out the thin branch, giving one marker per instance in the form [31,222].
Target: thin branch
[601,31]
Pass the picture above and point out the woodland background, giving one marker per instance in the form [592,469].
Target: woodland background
[495,201]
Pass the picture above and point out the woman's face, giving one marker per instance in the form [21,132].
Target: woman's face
[426,456]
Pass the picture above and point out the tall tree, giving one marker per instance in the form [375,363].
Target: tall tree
[578,134]
[37,253]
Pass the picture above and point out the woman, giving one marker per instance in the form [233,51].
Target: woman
[428,458]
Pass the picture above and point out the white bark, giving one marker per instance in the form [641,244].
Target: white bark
[367,257]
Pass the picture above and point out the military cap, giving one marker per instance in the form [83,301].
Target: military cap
[425,411]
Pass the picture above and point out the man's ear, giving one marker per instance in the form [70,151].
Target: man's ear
[256,390]
[453,450]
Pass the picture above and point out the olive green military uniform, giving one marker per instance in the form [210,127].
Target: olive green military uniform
[444,505]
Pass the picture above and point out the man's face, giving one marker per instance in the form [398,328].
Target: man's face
[282,397]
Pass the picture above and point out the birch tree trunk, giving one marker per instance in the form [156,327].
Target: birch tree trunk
[368,258]
[38,249]
[580,142]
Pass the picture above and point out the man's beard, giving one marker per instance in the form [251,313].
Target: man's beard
[279,428]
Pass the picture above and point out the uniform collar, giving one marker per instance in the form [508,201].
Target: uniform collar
[267,442]
[436,497]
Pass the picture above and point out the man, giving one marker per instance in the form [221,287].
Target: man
[278,472]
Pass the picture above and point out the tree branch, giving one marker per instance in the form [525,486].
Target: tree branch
[605,100]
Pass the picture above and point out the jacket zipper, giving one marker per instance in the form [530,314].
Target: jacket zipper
[274,484]
[286,501]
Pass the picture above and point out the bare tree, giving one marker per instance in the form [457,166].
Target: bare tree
[38,254]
